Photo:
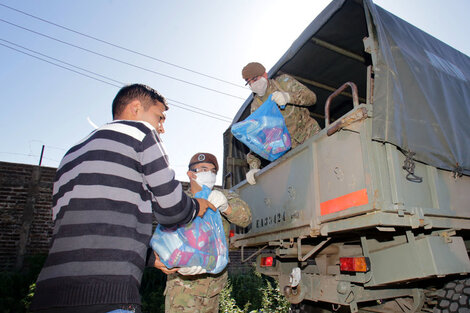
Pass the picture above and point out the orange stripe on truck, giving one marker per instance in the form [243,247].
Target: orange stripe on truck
[350,200]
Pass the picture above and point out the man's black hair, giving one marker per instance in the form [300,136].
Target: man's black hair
[145,94]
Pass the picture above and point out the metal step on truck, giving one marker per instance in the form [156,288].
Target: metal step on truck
[372,213]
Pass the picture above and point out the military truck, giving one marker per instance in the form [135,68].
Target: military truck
[373,212]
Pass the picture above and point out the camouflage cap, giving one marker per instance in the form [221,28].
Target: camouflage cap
[253,69]
[202,157]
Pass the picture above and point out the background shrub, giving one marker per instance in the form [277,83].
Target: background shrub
[15,286]
[247,288]
[151,289]
[252,292]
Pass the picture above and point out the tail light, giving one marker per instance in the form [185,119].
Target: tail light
[232,233]
[267,261]
[357,264]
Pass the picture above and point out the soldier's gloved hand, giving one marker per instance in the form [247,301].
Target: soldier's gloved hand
[218,199]
[281,98]
[192,270]
[250,176]
[204,205]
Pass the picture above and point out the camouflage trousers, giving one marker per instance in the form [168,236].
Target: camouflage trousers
[194,294]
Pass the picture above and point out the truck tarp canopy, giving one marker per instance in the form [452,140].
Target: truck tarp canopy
[421,89]
[421,94]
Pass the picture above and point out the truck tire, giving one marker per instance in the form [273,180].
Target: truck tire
[454,297]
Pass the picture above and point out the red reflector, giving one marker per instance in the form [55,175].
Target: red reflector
[267,261]
[232,233]
[358,264]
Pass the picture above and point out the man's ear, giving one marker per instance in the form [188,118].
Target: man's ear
[136,107]
[130,111]
[133,110]
[191,175]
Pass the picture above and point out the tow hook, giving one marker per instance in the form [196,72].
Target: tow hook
[293,291]
[294,280]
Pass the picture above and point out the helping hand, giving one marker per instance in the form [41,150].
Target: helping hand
[159,264]
[250,176]
[218,199]
[203,205]
[281,98]
[192,270]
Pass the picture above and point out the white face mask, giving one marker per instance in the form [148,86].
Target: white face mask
[259,87]
[206,178]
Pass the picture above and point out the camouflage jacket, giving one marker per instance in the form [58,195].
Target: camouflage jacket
[240,214]
[208,285]
[298,121]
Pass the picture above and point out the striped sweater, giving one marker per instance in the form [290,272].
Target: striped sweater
[105,191]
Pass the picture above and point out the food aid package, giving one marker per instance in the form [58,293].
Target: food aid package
[199,243]
[264,131]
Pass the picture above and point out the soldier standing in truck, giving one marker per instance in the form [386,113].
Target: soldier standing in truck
[285,90]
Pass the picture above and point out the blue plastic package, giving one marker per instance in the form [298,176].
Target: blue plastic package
[264,131]
[201,242]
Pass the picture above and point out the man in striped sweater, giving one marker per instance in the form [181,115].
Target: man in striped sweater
[106,189]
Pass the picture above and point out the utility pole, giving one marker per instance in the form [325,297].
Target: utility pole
[42,153]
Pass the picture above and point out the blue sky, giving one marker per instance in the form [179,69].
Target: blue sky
[43,104]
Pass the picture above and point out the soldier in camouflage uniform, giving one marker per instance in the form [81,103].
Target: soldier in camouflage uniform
[200,293]
[285,90]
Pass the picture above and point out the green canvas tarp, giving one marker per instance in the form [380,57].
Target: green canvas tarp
[422,94]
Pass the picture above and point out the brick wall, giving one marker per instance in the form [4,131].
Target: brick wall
[25,215]
[25,212]
[236,265]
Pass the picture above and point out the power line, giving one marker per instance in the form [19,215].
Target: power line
[210,112]
[28,155]
[105,77]
[56,148]
[225,118]
[43,144]
[69,64]
[120,61]
[36,57]
[121,47]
